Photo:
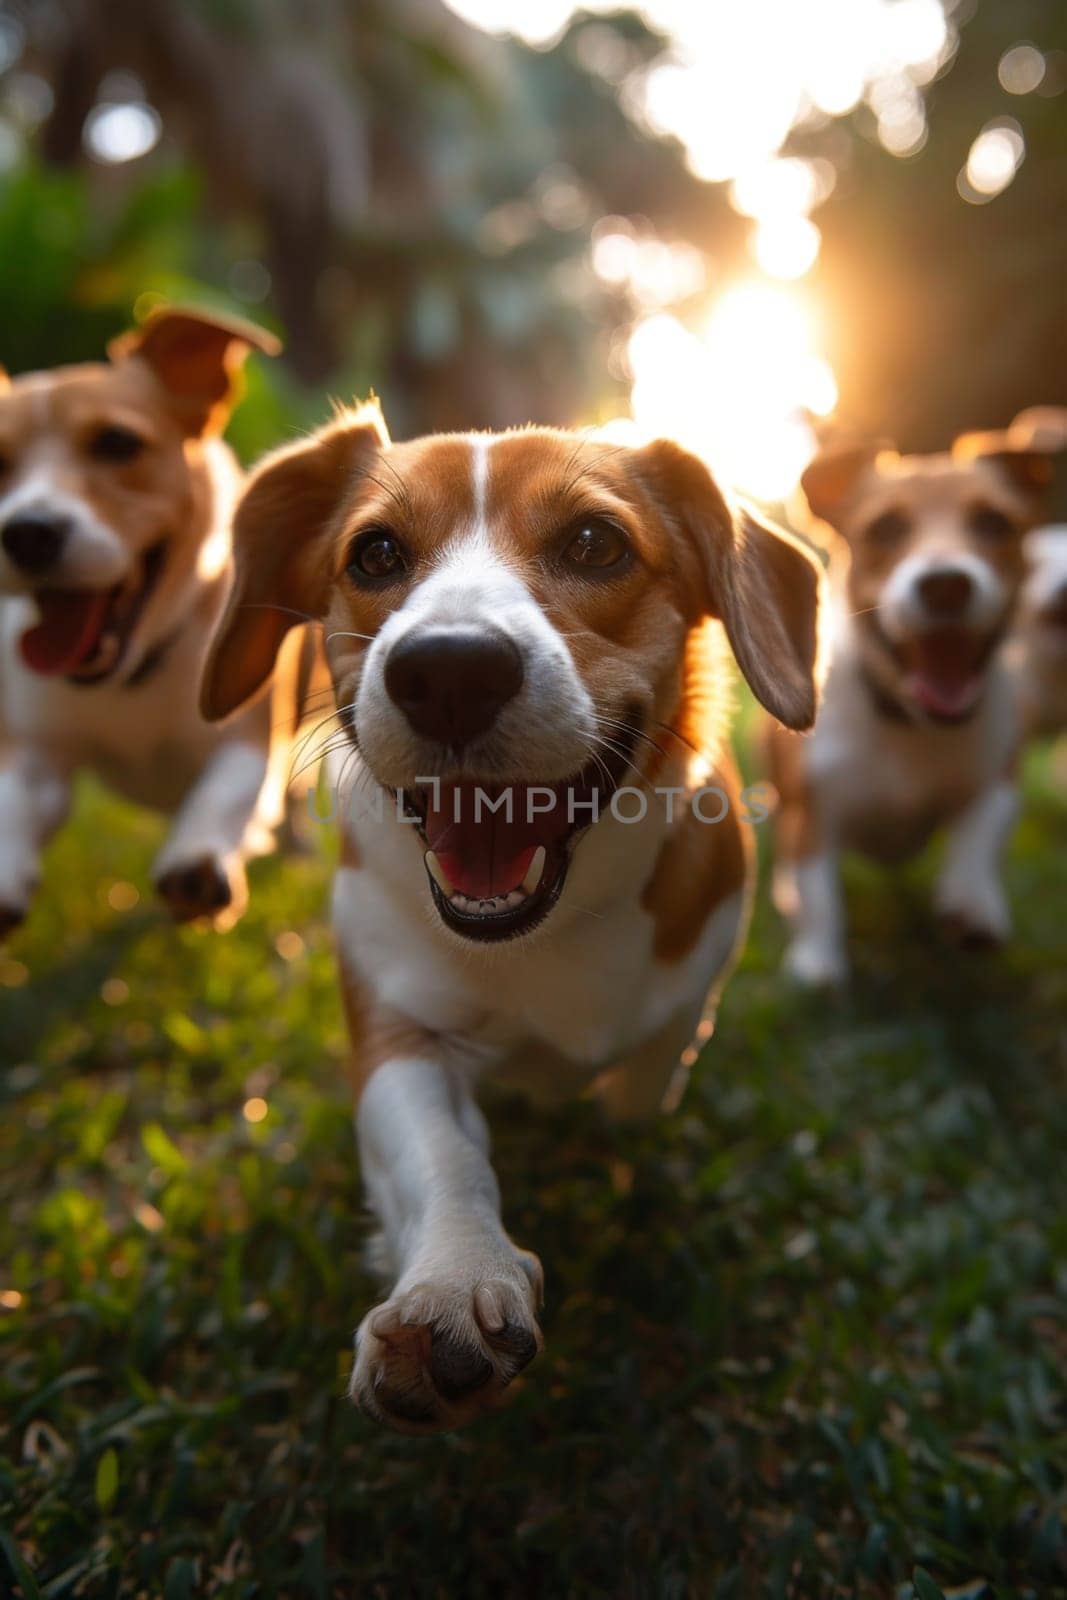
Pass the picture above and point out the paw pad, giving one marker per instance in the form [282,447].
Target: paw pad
[11,917]
[201,889]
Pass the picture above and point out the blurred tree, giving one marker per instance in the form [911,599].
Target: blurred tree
[950,315]
[418,193]
[413,199]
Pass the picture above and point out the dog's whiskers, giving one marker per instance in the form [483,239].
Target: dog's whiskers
[332,740]
[347,633]
[315,701]
[632,732]
[695,748]
[306,739]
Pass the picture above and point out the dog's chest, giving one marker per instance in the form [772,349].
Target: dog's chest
[545,1014]
[586,995]
[146,741]
[158,774]
[887,787]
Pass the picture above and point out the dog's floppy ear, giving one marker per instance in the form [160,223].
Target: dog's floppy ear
[763,585]
[1023,452]
[1042,428]
[1028,470]
[281,578]
[197,357]
[830,478]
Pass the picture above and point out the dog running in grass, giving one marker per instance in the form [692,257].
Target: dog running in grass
[1039,648]
[545,872]
[116,495]
[919,728]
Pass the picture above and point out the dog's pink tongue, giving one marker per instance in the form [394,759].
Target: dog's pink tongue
[68,632]
[944,676]
[483,853]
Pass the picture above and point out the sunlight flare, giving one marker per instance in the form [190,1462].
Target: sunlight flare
[737,388]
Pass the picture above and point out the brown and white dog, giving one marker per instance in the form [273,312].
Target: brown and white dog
[526,615]
[116,496]
[1039,648]
[919,726]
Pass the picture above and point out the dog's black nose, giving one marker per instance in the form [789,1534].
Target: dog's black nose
[34,539]
[451,682]
[947,592]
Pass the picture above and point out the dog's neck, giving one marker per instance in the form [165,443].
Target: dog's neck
[851,660]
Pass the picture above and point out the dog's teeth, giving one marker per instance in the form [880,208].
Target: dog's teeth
[437,873]
[490,905]
[534,871]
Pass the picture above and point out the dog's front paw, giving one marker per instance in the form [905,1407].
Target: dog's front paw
[437,1354]
[974,915]
[207,888]
[11,917]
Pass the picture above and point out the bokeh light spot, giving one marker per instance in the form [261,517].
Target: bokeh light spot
[994,159]
[118,133]
[13,974]
[738,389]
[787,247]
[151,1219]
[289,945]
[1021,69]
[786,186]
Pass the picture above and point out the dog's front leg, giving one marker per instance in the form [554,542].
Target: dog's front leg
[460,1321]
[969,895]
[34,800]
[200,870]
[816,953]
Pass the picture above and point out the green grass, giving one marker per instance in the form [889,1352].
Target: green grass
[802,1338]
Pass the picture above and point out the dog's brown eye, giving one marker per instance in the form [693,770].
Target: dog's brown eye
[889,528]
[989,523]
[597,545]
[116,444]
[377,555]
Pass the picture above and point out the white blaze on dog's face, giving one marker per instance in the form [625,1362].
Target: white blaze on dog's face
[515,703]
[1045,590]
[102,488]
[935,562]
[508,615]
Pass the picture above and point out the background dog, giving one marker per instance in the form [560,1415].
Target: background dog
[919,726]
[1040,651]
[116,495]
[534,615]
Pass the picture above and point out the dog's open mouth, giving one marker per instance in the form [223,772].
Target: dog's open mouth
[944,671]
[497,855]
[84,633]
